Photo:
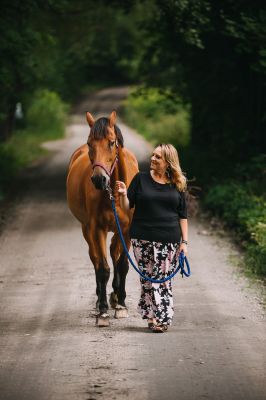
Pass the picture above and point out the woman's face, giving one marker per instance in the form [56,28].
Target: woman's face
[158,164]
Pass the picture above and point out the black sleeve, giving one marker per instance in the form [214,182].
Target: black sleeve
[132,190]
[182,209]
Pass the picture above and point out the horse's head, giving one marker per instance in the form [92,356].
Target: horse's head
[103,142]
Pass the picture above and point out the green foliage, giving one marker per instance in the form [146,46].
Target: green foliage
[8,169]
[25,40]
[245,213]
[218,49]
[253,174]
[47,114]
[239,208]
[213,53]
[16,153]
[256,258]
[63,46]
[159,115]
[46,121]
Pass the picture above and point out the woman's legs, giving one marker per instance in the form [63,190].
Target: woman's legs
[156,260]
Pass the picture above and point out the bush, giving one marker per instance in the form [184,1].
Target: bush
[46,118]
[253,174]
[159,115]
[47,114]
[245,212]
[256,259]
[8,169]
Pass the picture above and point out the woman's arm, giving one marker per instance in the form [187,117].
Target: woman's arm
[184,233]
[122,191]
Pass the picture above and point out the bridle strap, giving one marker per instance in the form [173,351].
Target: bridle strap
[109,173]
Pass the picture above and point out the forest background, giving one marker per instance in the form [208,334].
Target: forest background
[198,74]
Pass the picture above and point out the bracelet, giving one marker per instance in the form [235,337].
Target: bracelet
[184,241]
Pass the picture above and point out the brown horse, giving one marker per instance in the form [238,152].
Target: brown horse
[94,167]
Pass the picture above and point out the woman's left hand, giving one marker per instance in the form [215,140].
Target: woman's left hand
[183,247]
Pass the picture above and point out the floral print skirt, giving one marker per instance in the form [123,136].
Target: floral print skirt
[156,260]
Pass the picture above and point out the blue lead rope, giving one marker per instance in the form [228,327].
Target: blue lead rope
[182,258]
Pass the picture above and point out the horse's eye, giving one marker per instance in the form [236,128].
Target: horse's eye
[111,143]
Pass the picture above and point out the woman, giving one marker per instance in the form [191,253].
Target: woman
[159,230]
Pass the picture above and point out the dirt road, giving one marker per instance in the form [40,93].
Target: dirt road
[50,347]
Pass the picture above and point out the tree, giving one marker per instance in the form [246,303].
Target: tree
[62,45]
[218,49]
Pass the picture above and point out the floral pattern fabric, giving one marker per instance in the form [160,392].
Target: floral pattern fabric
[156,260]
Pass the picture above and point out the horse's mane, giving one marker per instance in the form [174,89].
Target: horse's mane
[99,130]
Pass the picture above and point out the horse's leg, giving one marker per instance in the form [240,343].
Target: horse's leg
[97,250]
[120,272]
[85,231]
[115,251]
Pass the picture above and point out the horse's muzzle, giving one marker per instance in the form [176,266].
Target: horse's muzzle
[100,181]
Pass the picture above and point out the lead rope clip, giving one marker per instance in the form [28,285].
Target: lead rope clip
[110,193]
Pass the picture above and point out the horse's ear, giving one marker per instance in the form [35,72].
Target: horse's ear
[112,119]
[90,119]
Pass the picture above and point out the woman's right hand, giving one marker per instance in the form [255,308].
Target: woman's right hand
[121,188]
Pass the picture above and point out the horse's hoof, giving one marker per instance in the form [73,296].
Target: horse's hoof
[121,312]
[113,300]
[102,320]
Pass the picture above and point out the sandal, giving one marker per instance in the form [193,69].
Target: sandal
[157,329]
[161,328]
[151,325]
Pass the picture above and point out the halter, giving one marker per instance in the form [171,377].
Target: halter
[109,173]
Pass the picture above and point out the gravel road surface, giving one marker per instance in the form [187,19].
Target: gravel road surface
[50,348]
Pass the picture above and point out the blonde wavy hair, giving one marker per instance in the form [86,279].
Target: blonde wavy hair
[170,155]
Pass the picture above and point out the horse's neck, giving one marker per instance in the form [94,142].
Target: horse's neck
[120,171]
[122,166]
